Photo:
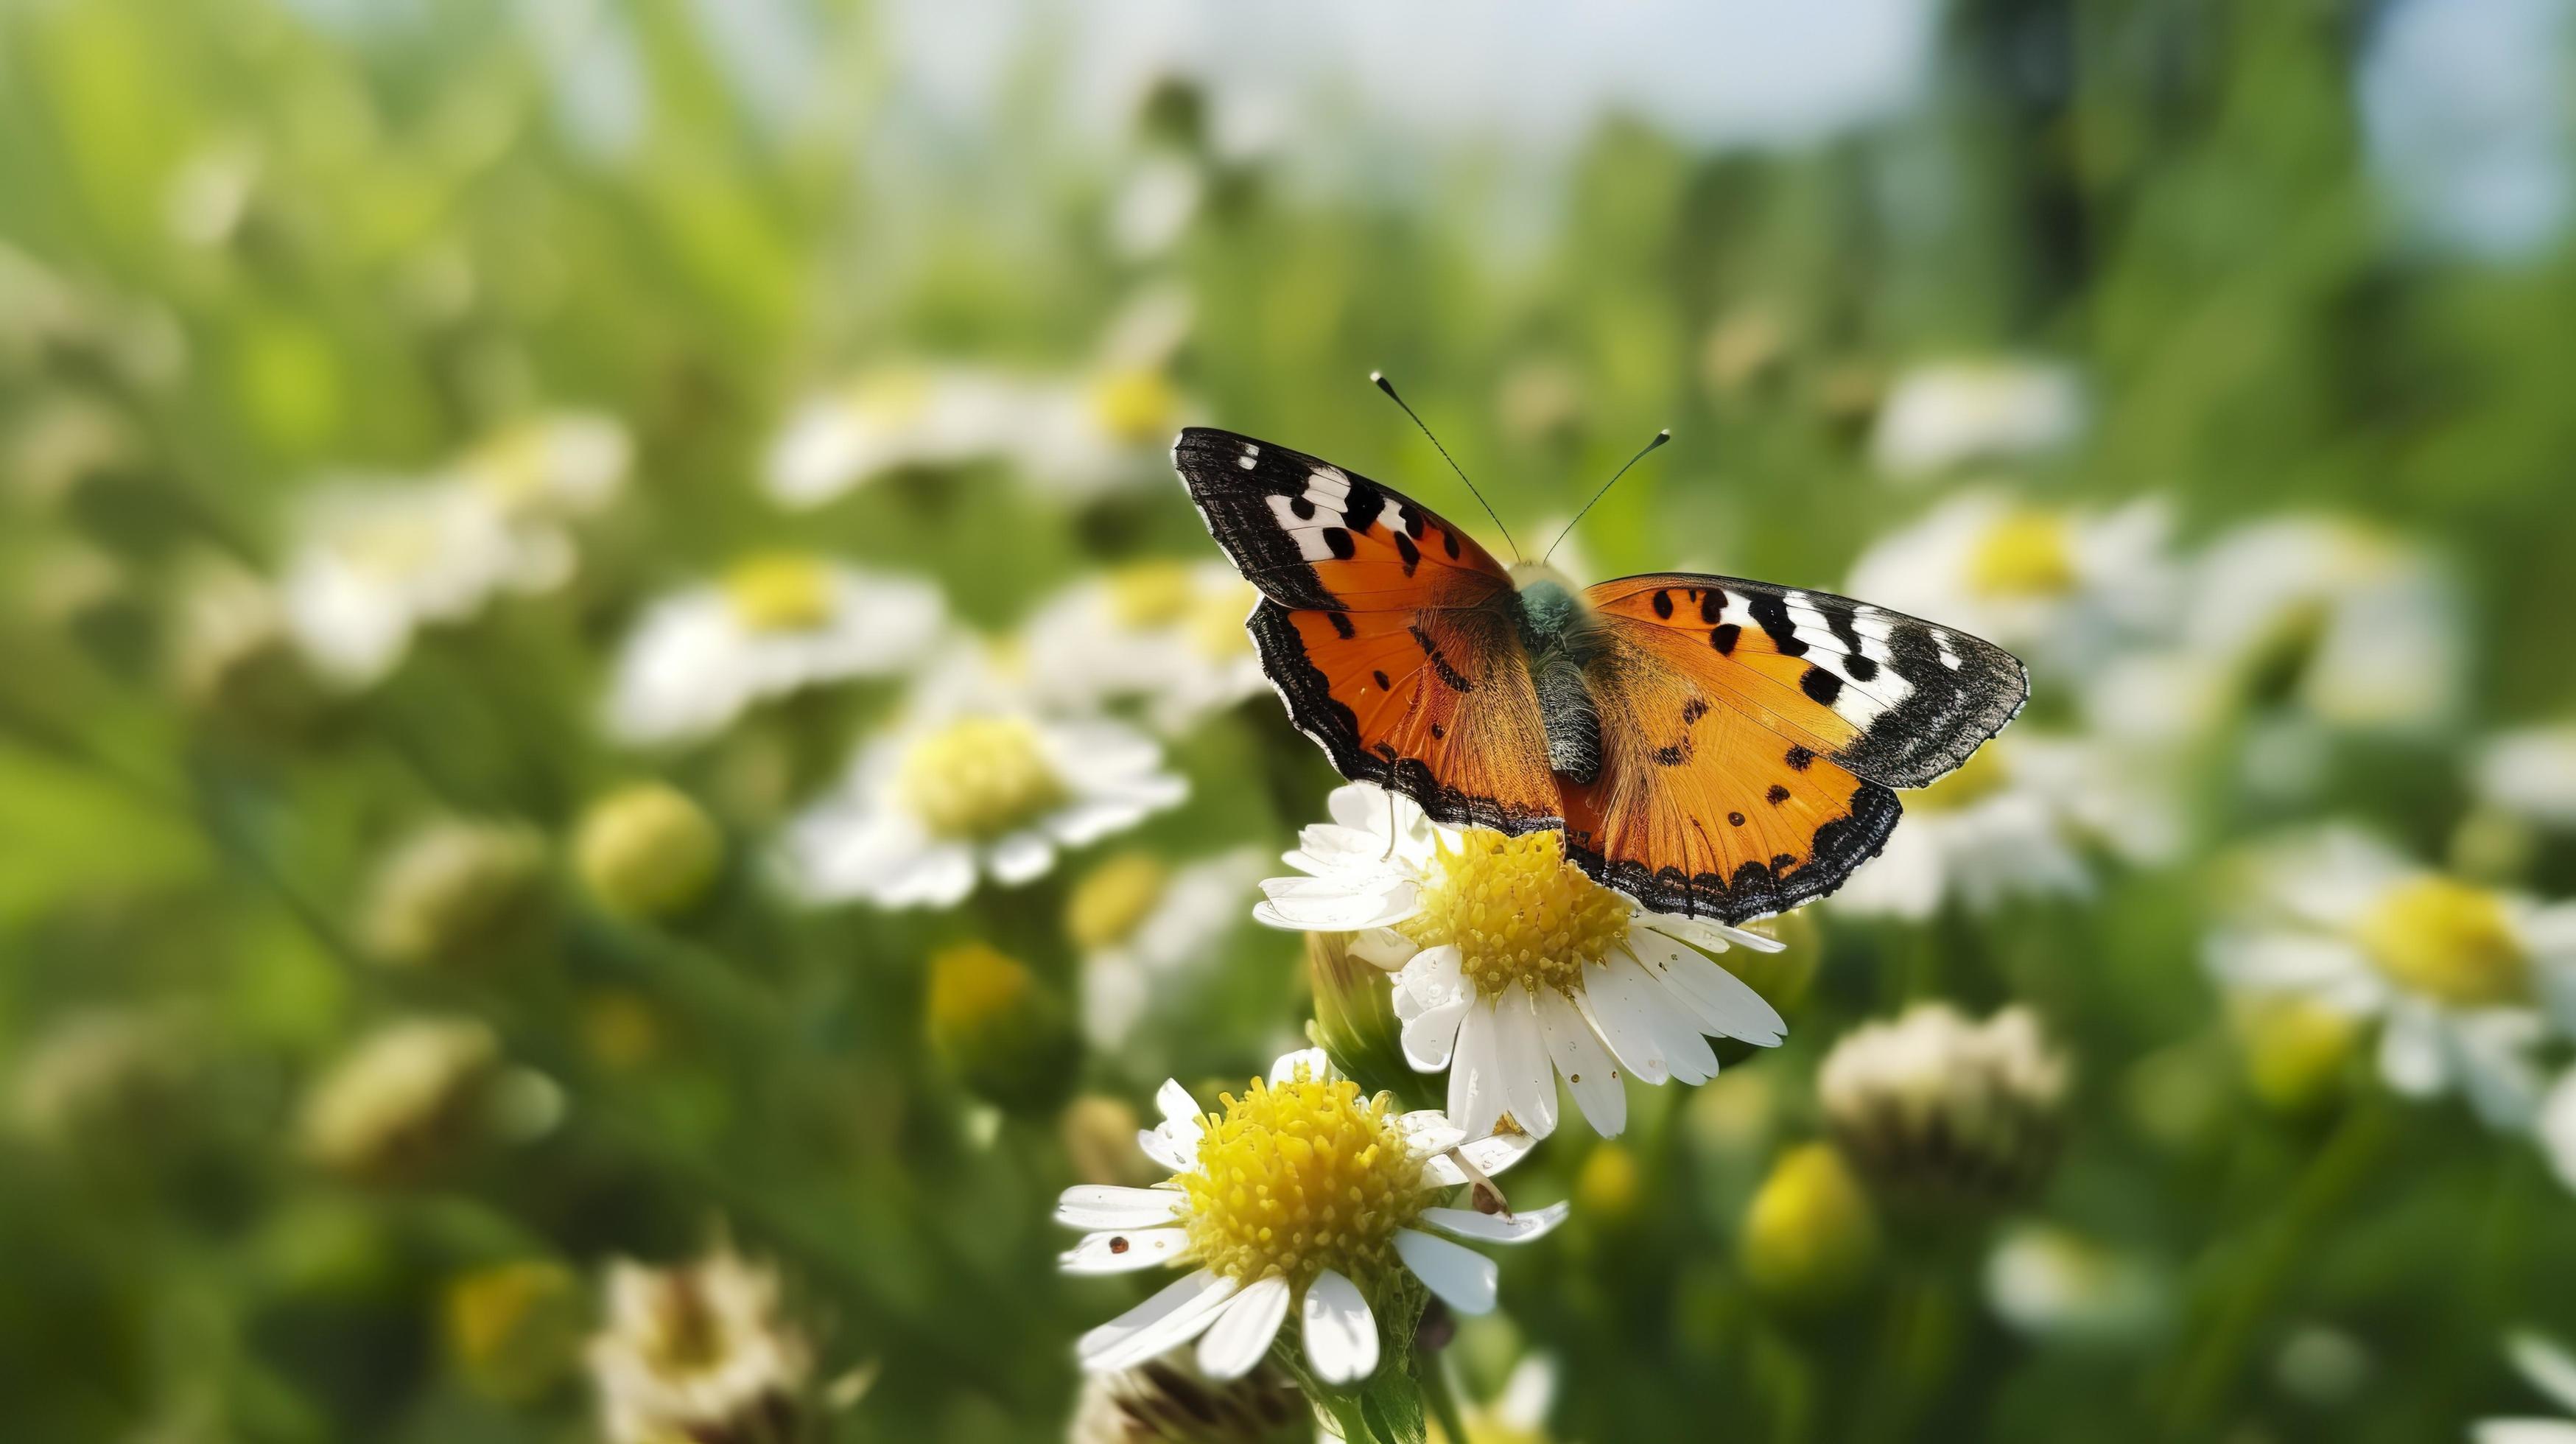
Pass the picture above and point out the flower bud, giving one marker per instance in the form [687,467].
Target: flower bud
[1008,1038]
[403,1101]
[647,851]
[1938,1111]
[515,1329]
[2297,1050]
[1100,1142]
[1355,1014]
[1606,1186]
[700,1352]
[1809,1237]
[1169,1402]
[456,893]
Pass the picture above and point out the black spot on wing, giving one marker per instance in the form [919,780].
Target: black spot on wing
[1341,621]
[1300,508]
[1777,795]
[1797,757]
[1712,602]
[1664,605]
[1773,614]
[1735,819]
[1449,542]
[1693,710]
[1383,683]
[1821,686]
[1411,554]
[1344,548]
[1723,636]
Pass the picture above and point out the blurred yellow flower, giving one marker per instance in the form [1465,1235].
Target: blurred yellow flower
[1809,1237]
[647,850]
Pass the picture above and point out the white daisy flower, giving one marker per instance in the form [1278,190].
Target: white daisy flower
[775,624]
[2014,822]
[2531,774]
[2457,975]
[2053,582]
[2051,1282]
[378,560]
[696,1352]
[1940,416]
[560,464]
[1138,922]
[2358,628]
[1300,1196]
[977,781]
[1512,967]
[2551,1370]
[886,420]
[1168,633]
[1086,435]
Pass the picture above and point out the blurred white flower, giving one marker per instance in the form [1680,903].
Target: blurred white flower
[2531,774]
[378,560]
[1513,967]
[1153,204]
[1137,921]
[2058,584]
[401,1098]
[2458,976]
[2552,1371]
[1935,1107]
[1166,632]
[2357,627]
[886,420]
[697,1352]
[975,781]
[2053,1283]
[1940,416]
[2014,822]
[777,623]
[1301,1195]
[556,465]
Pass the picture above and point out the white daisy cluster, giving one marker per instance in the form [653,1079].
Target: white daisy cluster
[378,558]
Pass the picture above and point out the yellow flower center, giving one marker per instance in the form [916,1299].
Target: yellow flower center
[1982,776]
[780,592]
[1114,899]
[685,1335]
[1518,912]
[1215,623]
[2448,940]
[392,548]
[1137,405]
[979,777]
[1149,594]
[972,984]
[513,467]
[2025,554]
[1301,1176]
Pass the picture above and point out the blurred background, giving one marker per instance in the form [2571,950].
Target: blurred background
[505,499]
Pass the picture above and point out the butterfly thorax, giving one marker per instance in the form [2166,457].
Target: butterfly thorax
[1557,630]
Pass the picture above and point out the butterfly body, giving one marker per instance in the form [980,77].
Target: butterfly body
[1709,745]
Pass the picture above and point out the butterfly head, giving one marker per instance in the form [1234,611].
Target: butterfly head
[1552,606]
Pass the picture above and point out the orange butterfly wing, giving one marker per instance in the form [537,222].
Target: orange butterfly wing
[1388,631]
[1751,735]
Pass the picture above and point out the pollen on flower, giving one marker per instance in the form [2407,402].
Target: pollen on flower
[979,777]
[1518,912]
[2447,939]
[1300,1176]
[780,592]
[2028,553]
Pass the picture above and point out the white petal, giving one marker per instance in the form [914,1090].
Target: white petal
[1477,1092]
[1463,1278]
[2522,1431]
[1433,977]
[2411,1053]
[1117,1253]
[1431,1037]
[2549,1368]
[1429,1130]
[1105,1205]
[1589,1072]
[1520,1055]
[1726,1002]
[1384,948]
[1332,905]
[1020,857]
[1167,1150]
[1491,1155]
[1341,1333]
[1623,1022]
[1313,1060]
[1715,937]
[1176,1104]
[1170,1318]
[1241,1335]
[1521,1227]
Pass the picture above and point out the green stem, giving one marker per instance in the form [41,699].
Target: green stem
[1442,1398]
[2338,1168]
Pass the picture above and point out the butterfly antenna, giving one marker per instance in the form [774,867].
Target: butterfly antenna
[1378,379]
[1660,438]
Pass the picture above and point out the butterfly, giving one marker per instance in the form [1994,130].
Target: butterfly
[1709,745]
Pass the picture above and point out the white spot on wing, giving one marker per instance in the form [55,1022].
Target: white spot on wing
[1326,486]
[1309,534]
[1251,457]
[1941,644]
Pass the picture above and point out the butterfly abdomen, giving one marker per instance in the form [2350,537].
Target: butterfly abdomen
[1556,630]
